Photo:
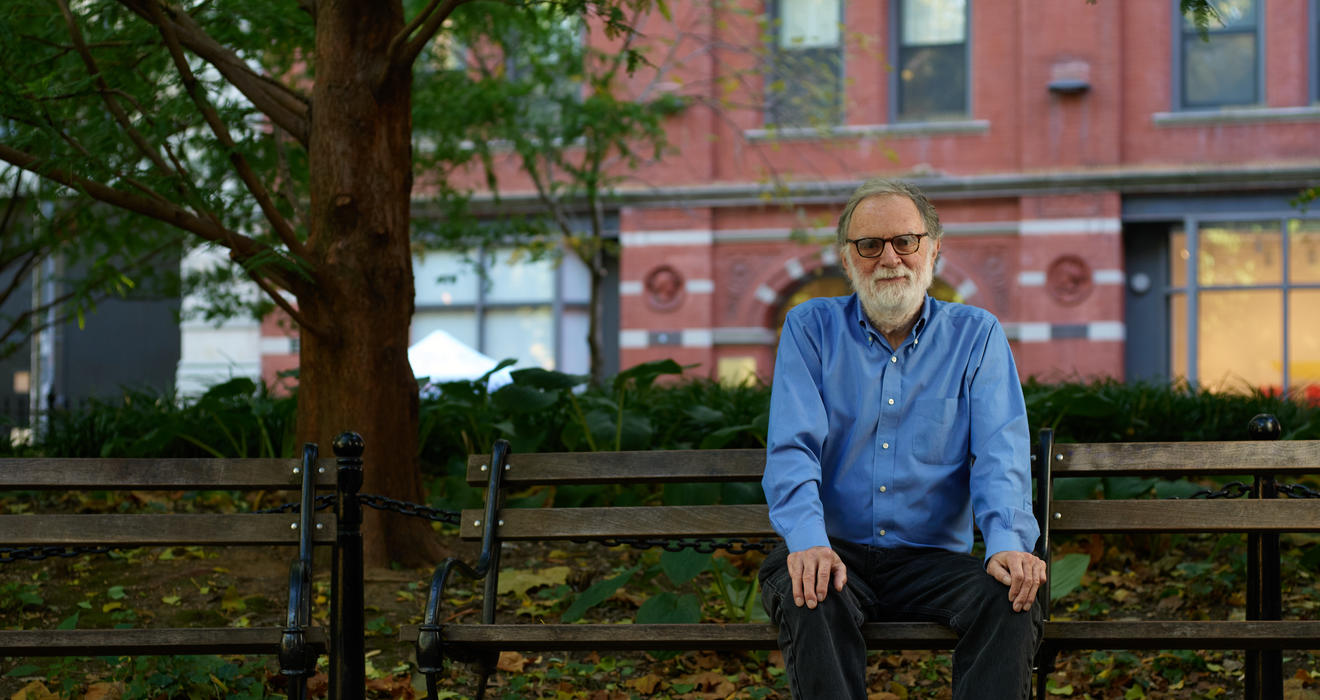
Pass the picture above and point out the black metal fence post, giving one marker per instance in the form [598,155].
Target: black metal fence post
[348,672]
[1264,593]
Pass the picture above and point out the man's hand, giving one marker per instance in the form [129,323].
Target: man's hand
[1022,572]
[811,570]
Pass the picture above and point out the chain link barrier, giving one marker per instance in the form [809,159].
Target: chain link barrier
[13,554]
[1233,489]
[440,515]
[701,545]
[1298,491]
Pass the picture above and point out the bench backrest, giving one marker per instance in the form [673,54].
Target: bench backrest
[152,529]
[1238,459]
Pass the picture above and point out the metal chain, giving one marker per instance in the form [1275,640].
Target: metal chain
[386,503]
[323,502]
[12,554]
[1235,489]
[702,545]
[1299,491]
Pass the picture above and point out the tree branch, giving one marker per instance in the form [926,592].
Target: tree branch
[242,247]
[280,103]
[409,42]
[245,173]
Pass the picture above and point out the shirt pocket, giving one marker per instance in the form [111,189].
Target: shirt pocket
[937,437]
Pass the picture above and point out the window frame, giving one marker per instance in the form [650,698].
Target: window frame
[557,303]
[769,111]
[895,80]
[1180,37]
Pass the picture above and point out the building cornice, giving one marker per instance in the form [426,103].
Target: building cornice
[1181,180]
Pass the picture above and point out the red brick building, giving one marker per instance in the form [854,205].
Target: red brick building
[1118,190]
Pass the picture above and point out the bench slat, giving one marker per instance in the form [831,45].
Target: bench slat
[137,530]
[141,474]
[107,642]
[639,521]
[1092,459]
[1217,515]
[1108,634]
[653,466]
[714,636]
[1174,458]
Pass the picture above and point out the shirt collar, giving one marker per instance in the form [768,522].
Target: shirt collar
[865,323]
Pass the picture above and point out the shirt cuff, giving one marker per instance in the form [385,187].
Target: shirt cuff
[806,537]
[1002,541]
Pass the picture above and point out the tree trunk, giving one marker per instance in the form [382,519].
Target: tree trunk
[354,359]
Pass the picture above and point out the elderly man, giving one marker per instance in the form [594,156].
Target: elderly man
[895,421]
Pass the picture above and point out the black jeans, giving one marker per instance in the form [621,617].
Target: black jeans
[824,650]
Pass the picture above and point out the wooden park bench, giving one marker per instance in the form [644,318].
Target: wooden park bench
[298,643]
[1263,516]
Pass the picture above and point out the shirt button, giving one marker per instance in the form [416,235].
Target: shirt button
[882,533]
[892,358]
[891,402]
[884,445]
[882,489]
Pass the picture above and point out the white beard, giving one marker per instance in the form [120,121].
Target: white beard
[890,306]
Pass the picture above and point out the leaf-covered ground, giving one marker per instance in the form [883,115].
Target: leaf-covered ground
[1194,577]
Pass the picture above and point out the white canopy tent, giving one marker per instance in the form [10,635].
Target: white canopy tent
[444,358]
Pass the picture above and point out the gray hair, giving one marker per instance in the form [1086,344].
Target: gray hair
[879,186]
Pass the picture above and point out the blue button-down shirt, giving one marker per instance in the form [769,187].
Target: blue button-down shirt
[895,447]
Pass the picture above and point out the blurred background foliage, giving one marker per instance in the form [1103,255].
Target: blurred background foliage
[648,407]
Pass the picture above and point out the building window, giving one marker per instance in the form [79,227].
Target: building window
[531,310]
[1242,300]
[1223,67]
[931,60]
[805,83]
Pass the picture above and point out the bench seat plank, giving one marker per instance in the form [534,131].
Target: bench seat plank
[1215,515]
[1107,634]
[636,521]
[115,642]
[143,474]
[715,636]
[1175,458]
[139,530]
[652,467]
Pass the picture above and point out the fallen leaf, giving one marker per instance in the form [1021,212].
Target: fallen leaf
[104,691]
[36,690]
[511,662]
[645,685]
[519,581]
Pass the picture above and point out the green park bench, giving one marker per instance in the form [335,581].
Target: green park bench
[1263,516]
[296,644]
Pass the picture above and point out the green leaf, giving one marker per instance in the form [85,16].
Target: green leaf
[684,565]
[516,398]
[1066,574]
[670,608]
[1181,488]
[115,593]
[598,593]
[1053,688]
[538,378]
[24,670]
[1071,489]
[69,623]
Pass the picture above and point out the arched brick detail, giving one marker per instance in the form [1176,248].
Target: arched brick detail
[948,269]
[780,281]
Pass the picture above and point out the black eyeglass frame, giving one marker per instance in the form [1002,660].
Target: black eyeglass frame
[857,243]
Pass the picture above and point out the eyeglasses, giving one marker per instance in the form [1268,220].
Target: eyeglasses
[905,244]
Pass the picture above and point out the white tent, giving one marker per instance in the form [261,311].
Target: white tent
[444,358]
